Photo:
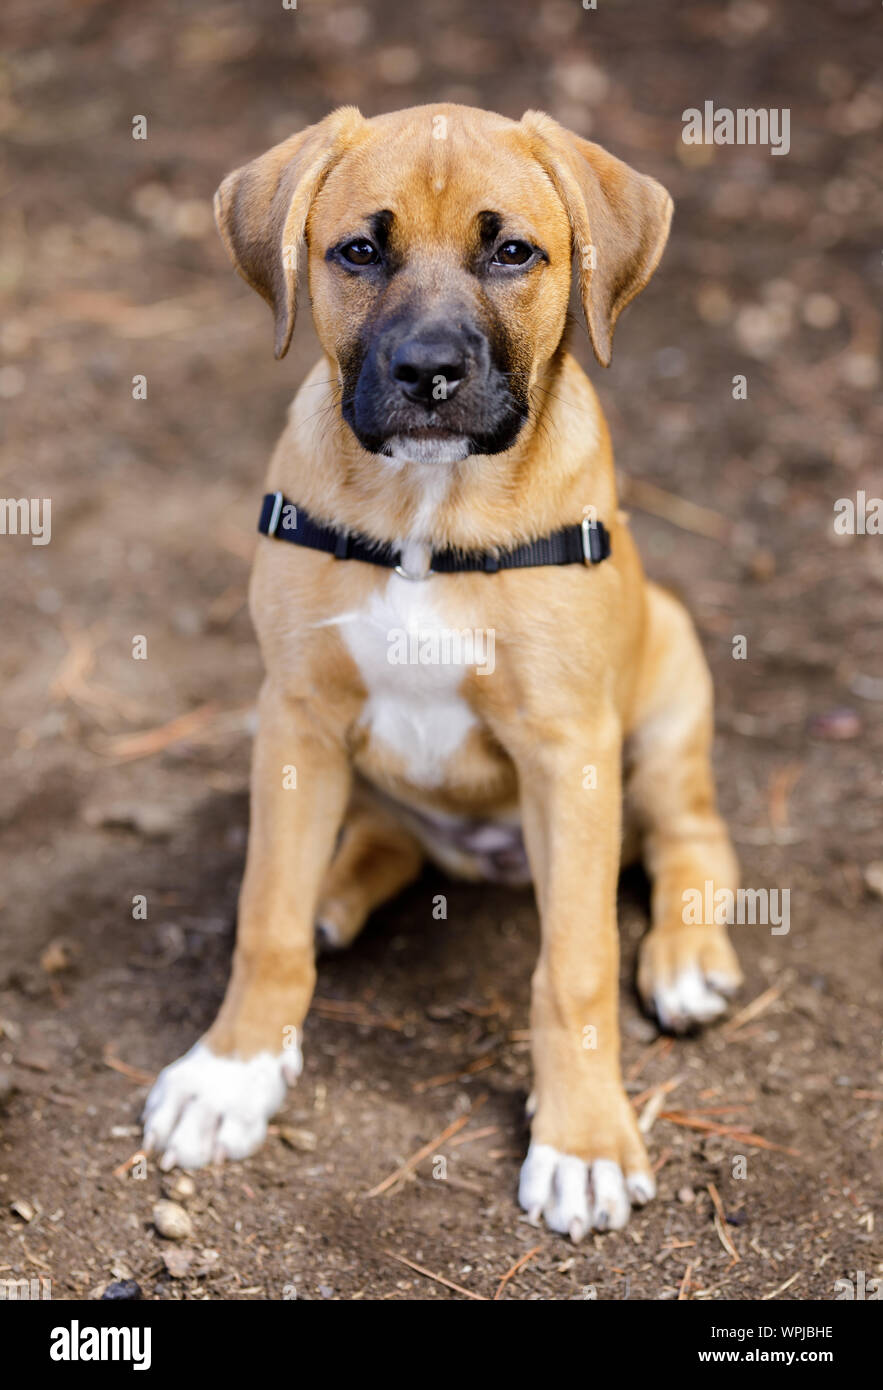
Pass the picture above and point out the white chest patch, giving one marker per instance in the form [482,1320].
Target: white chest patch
[413,674]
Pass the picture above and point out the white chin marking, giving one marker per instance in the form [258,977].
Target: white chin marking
[574,1197]
[424,449]
[204,1108]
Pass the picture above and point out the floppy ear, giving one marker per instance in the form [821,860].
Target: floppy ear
[262,210]
[619,221]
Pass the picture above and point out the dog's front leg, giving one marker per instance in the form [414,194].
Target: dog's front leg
[586,1163]
[216,1100]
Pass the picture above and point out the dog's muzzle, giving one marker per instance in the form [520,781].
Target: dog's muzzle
[431,392]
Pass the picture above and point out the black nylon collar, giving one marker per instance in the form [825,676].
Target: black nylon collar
[587,543]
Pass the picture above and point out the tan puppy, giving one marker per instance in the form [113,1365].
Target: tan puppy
[446,412]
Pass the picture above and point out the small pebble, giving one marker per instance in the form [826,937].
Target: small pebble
[155,821]
[686,1195]
[172,1221]
[302,1139]
[181,1187]
[836,724]
[441,1013]
[178,1259]
[122,1290]
[641,1029]
[873,880]
[820,311]
[761,565]
[58,956]
[207,1262]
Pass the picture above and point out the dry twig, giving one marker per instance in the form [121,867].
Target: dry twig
[476,1134]
[480,1064]
[782,1287]
[720,1223]
[128,747]
[352,1011]
[753,1010]
[744,1136]
[411,1163]
[514,1270]
[143,1078]
[650,1114]
[122,1169]
[439,1278]
[658,1049]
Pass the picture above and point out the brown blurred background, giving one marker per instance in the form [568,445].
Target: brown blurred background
[127,777]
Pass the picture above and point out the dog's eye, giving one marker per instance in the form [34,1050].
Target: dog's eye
[512,253]
[360,252]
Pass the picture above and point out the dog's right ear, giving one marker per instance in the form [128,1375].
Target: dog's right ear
[262,210]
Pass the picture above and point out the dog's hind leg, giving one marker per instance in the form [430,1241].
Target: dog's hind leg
[375,859]
[687,967]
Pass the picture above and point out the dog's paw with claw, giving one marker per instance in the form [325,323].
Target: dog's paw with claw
[574,1195]
[205,1108]
[687,976]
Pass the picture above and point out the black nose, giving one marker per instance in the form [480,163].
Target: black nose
[429,368]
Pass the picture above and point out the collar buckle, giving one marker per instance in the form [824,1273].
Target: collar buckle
[275,514]
[591,539]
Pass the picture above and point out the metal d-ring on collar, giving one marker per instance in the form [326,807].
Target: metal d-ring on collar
[412,578]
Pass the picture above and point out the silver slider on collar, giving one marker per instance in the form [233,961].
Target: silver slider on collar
[275,514]
[593,550]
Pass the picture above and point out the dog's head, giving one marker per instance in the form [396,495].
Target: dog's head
[440,244]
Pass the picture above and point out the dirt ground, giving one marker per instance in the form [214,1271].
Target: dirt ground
[110,268]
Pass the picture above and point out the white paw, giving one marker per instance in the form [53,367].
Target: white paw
[690,998]
[328,936]
[574,1196]
[204,1108]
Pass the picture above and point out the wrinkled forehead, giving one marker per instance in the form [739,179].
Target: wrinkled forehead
[437,173]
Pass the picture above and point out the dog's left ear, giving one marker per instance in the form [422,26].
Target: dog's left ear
[619,220]
[262,210]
